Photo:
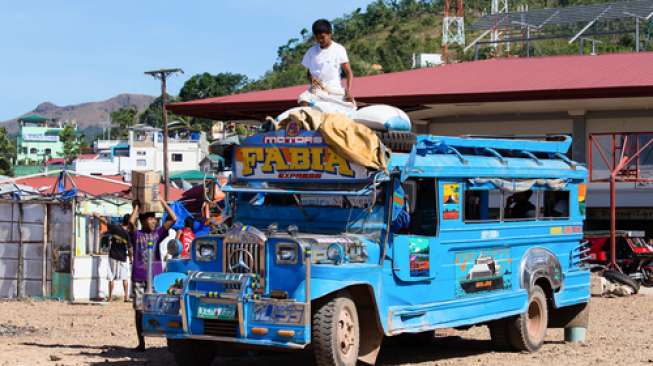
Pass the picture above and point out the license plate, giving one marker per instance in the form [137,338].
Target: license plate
[217,311]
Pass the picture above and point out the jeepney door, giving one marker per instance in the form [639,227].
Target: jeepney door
[414,241]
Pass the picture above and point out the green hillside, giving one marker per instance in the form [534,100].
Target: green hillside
[388,32]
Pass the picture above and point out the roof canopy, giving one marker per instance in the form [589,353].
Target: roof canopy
[507,79]
[35,118]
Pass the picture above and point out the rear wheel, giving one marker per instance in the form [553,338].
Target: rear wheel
[335,332]
[397,141]
[192,352]
[527,331]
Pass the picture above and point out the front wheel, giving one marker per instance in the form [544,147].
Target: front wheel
[191,352]
[335,332]
[527,331]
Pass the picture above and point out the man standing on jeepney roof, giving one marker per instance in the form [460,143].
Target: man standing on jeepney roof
[324,62]
[149,233]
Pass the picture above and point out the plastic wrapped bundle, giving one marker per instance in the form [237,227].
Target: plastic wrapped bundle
[383,118]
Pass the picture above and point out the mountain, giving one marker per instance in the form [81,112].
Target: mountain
[91,115]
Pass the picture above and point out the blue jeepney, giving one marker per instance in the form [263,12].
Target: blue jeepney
[458,231]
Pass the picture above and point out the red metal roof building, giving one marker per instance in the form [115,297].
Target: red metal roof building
[495,80]
[94,186]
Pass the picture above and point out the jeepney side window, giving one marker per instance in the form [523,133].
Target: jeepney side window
[422,207]
[554,204]
[520,205]
[482,205]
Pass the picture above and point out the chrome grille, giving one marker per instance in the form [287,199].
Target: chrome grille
[244,252]
[244,258]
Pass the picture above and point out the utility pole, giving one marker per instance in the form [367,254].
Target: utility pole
[162,75]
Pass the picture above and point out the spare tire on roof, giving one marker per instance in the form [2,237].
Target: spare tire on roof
[397,141]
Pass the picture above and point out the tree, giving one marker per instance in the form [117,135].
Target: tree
[123,118]
[7,153]
[205,85]
[70,141]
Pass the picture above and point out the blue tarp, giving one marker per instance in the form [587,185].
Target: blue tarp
[182,213]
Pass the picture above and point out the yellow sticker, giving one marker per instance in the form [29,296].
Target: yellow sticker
[556,230]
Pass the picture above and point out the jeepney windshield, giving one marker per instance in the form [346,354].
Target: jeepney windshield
[313,213]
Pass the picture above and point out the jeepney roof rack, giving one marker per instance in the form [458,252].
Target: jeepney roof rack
[516,146]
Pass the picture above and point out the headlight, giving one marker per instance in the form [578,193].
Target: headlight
[205,250]
[335,253]
[286,253]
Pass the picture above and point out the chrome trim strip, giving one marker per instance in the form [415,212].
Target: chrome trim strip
[239,340]
[184,321]
[241,319]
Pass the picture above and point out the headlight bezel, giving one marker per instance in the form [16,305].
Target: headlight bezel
[286,247]
[339,255]
[200,244]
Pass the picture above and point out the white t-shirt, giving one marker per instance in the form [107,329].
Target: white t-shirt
[324,64]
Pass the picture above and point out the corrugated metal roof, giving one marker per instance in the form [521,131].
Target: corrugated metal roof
[507,79]
[94,186]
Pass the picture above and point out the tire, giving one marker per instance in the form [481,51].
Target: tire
[192,352]
[526,331]
[397,141]
[335,332]
[621,278]
[499,334]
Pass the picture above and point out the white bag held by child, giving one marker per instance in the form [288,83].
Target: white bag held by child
[383,117]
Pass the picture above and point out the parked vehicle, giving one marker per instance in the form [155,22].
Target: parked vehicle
[634,254]
[325,253]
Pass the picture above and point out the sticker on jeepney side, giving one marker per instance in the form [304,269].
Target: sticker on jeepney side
[419,255]
[451,201]
[484,270]
[582,192]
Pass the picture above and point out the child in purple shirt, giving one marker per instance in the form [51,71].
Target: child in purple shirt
[149,232]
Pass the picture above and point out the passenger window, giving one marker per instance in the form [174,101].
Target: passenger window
[520,205]
[482,205]
[421,195]
[554,204]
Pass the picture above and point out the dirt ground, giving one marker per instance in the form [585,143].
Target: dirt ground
[55,333]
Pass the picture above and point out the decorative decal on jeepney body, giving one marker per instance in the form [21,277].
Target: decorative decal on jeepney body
[483,270]
[582,192]
[419,254]
[451,201]
[277,156]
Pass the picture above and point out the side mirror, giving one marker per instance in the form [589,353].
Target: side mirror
[174,248]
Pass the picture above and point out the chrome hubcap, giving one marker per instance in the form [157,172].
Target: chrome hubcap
[345,331]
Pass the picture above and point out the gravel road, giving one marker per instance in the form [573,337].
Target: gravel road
[57,334]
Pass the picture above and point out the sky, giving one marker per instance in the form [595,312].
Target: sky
[75,51]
